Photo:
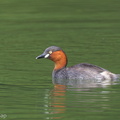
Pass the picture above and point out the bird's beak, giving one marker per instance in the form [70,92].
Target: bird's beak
[40,56]
[43,56]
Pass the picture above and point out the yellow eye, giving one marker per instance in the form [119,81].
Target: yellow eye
[50,52]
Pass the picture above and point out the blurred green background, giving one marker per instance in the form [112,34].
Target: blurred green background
[87,30]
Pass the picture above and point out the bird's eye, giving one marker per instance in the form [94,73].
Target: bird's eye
[50,52]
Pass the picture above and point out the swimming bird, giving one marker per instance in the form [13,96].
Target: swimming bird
[76,74]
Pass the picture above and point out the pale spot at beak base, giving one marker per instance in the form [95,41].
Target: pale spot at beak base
[47,55]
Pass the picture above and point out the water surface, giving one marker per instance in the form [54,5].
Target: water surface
[88,31]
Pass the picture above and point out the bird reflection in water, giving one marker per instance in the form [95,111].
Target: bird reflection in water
[56,105]
[84,98]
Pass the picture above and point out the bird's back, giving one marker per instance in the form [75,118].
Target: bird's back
[88,71]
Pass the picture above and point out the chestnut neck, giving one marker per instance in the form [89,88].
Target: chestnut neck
[59,58]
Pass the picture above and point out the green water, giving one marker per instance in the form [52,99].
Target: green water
[89,31]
